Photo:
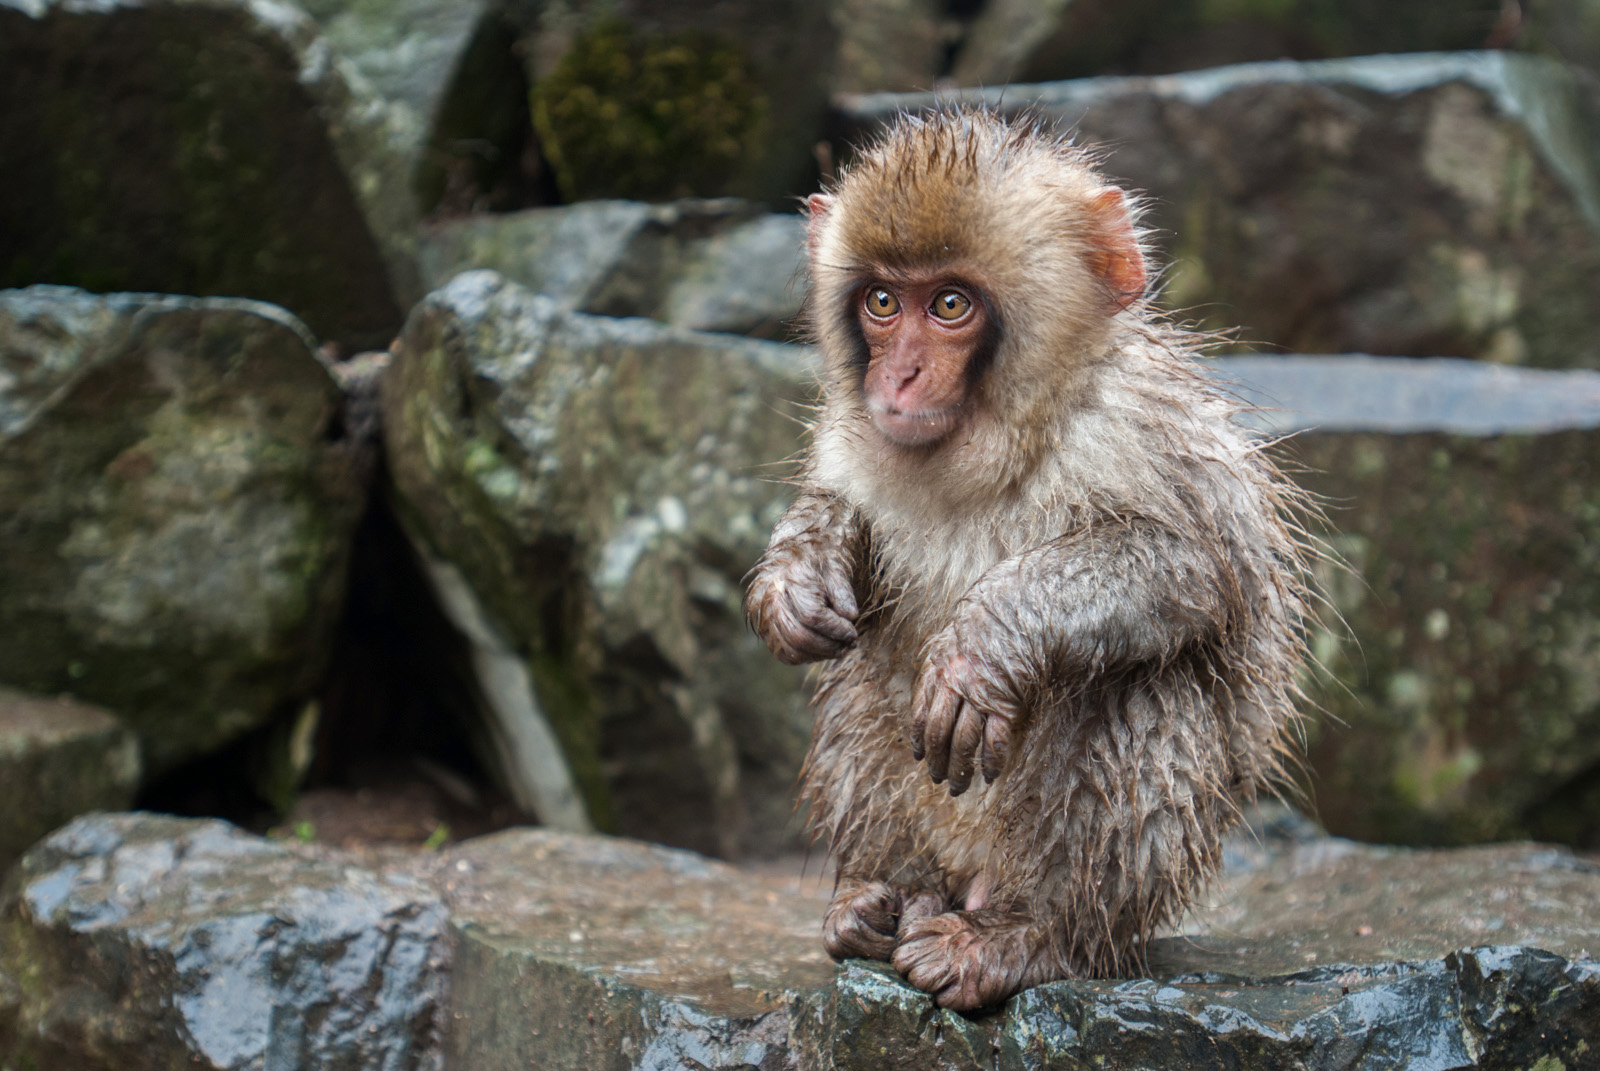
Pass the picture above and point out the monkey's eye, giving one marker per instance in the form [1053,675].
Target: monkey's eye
[951,305]
[881,303]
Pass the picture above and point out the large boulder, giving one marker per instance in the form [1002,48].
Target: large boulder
[442,85]
[588,494]
[1460,653]
[138,941]
[718,265]
[1420,205]
[58,759]
[177,497]
[1021,41]
[202,148]
[143,942]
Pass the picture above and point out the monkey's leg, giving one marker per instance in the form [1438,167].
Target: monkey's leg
[972,959]
[866,917]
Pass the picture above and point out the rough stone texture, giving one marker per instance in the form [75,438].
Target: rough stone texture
[133,942]
[722,265]
[1462,685]
[783,50]
[58,759]
[1468,677]
[1048,41]
[898,46]
[139,941]
[177,498]
[572,952]
[1419,205]
[209,147]
[602,486]
[446,92]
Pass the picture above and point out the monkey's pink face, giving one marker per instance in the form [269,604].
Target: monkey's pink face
[928,340]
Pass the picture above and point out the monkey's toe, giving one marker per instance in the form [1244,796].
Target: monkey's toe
[862,921]
[962,960]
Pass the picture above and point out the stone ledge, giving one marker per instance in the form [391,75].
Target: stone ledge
[566,951]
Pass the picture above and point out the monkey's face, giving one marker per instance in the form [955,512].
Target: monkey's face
[927,340]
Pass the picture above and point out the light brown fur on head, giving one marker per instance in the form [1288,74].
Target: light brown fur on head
[1026,218]
[1080,606]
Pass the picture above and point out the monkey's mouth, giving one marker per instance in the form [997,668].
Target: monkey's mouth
[922,427]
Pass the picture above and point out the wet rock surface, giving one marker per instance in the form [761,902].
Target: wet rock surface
[1421,205]
[590,492]
[584,953]
[137,941]
[141,941]
[58,759]
[176,504]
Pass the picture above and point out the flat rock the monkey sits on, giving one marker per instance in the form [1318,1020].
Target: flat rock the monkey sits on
[1057,589]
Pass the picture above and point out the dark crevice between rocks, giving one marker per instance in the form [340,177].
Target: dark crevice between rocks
[483,155]
[1571,813]
[392,753]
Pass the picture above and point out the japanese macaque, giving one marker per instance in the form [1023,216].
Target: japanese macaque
[1056,590]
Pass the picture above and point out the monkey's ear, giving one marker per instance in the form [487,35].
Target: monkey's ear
[817,206]
[1114,253]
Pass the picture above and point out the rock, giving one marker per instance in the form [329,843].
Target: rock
[449,95]
[142,941]
[589,493]
[723,265]
[1462,649]
[58,759]
[1010,41]
[1423,205]
[654,99]
[176,505]
[895,47]
[571,952]
[201,148]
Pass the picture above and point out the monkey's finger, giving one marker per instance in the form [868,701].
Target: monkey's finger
[820,617]
[965,739]
[839,588]
[917,730]
[942,715]
[996,745]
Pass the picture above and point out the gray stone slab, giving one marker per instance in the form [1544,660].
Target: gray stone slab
[58,759]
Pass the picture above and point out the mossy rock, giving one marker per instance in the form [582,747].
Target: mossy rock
[623,115]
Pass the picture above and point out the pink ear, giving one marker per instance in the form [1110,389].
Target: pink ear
[817,206]
[1114,253]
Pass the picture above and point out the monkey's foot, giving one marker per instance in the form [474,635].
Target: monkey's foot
[972,959]
[865,917]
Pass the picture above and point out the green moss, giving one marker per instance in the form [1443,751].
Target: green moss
[626,116]
[574,715]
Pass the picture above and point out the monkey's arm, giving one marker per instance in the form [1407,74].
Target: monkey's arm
[802,598]
[1062,613]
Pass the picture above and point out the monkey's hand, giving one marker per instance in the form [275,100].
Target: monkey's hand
[967,702]
[802,597]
